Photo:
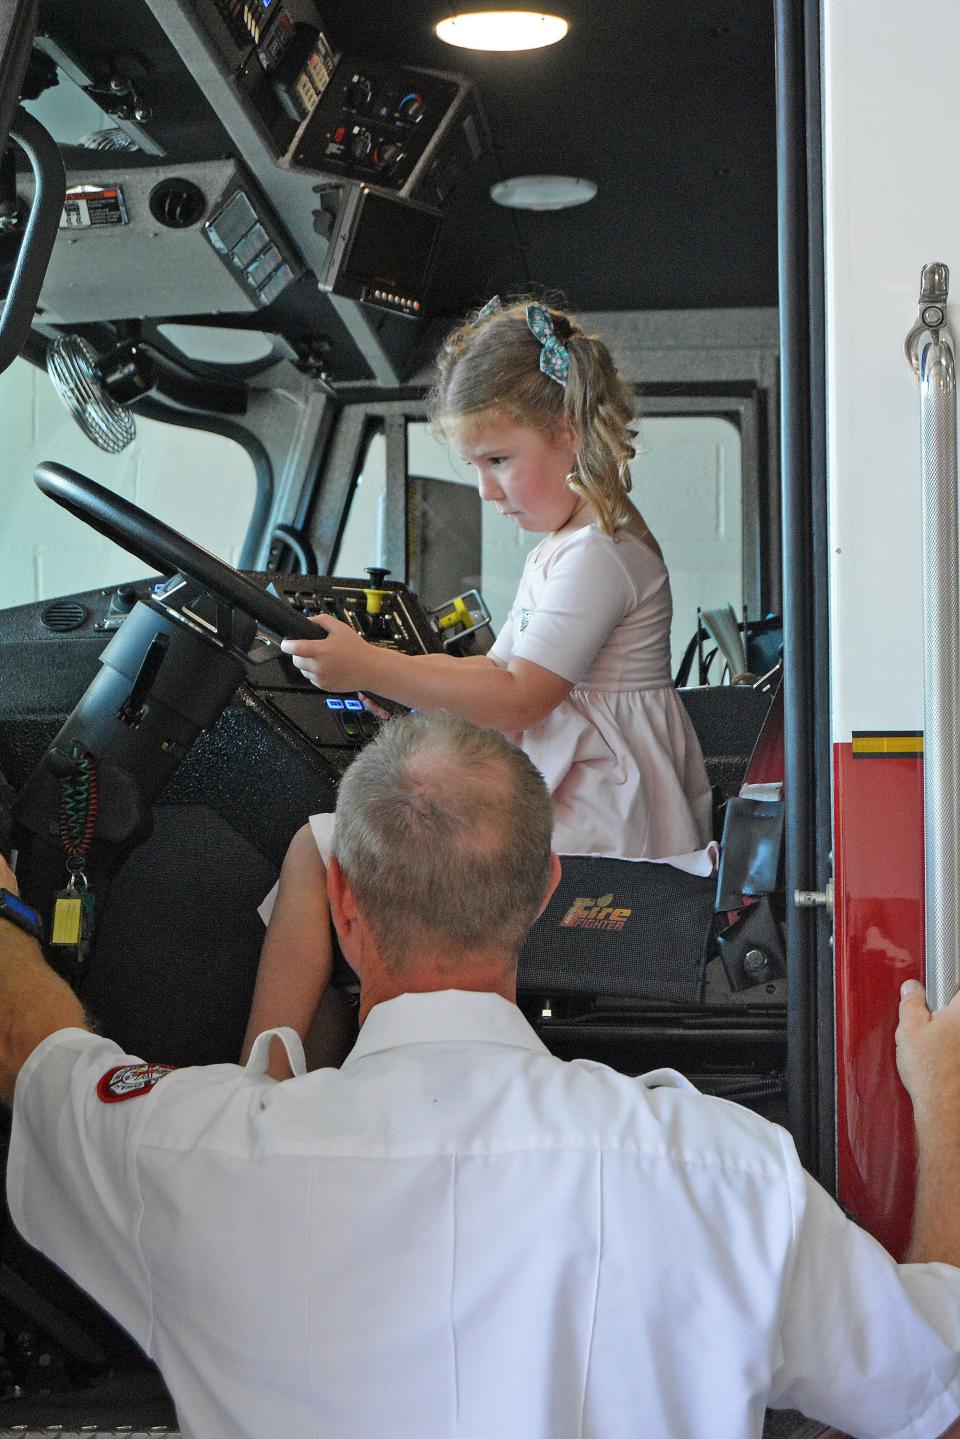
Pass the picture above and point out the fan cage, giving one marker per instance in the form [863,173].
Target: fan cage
[111,139]
[72,366]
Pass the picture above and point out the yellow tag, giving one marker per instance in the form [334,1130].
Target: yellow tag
[66,921]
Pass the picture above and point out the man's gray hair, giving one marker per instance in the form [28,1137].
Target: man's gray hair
[443,830]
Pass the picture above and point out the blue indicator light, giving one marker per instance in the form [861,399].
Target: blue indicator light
[354,704]
[335,705]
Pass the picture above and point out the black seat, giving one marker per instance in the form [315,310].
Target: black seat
[728,720]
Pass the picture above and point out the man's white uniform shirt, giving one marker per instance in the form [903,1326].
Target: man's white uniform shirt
[457,1234]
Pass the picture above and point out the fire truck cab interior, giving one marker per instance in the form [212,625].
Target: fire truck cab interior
[231,238]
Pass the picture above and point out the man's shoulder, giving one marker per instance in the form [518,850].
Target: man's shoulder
[662,1113]
[60,1054]
[107,1090]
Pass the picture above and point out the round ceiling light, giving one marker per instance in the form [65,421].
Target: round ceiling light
[543,192]
[502,30]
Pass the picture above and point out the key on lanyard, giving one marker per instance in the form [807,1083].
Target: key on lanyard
[73,907]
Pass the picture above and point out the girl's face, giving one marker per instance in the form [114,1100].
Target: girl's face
[519,469]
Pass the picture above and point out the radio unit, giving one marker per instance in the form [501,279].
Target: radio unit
[382,251]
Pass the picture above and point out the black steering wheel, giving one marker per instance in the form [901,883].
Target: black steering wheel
[167,550]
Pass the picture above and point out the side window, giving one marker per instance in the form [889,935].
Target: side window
[443,519]
[197,482]
[687,484]
[490,550]
[361,543]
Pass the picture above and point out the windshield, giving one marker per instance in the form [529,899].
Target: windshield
[200,483]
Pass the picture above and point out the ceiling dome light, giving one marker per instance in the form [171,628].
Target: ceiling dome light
[502,30]
[543,192]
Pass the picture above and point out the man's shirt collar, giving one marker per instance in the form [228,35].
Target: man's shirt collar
[455,1016]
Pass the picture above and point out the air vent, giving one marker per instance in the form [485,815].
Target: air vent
[177,203]
[63,615]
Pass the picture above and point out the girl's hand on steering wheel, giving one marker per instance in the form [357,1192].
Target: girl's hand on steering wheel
[335,661]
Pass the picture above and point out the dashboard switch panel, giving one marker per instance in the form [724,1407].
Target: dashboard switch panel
[385,613]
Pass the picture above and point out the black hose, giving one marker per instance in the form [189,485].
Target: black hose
[296,541]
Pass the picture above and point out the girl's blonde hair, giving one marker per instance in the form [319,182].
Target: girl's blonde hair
[492,362]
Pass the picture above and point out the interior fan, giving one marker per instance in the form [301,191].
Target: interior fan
[99,390]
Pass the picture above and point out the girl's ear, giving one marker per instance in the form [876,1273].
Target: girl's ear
[566,431]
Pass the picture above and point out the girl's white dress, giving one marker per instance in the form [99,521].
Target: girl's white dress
[619,755]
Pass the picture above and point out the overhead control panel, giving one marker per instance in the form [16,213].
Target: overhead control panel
[397,127]
[376,122]
[280,55]
[163,240]
[252,245]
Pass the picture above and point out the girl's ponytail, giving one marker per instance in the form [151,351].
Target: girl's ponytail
[600,407]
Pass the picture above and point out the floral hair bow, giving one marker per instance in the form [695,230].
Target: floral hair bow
[492,307]
[554,357]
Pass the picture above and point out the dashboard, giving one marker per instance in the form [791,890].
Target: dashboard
[334,727]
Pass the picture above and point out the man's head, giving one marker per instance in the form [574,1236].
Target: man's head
[443,837]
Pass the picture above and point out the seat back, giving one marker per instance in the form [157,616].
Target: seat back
[728,720]
[619,927]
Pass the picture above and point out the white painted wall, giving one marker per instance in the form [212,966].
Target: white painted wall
[687,486]
[890,208]
[199,483]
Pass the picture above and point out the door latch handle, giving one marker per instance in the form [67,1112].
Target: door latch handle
[815,898]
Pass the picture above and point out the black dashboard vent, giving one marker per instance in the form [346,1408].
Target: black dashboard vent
[177,204]
[63,615]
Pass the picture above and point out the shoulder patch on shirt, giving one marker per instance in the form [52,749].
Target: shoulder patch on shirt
[525,618]
[126,1081]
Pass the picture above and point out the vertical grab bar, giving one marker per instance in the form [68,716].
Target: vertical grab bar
[929,350]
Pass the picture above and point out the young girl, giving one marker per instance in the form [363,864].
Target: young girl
[579,676]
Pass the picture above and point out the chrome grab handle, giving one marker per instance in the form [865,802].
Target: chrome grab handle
[929,350]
